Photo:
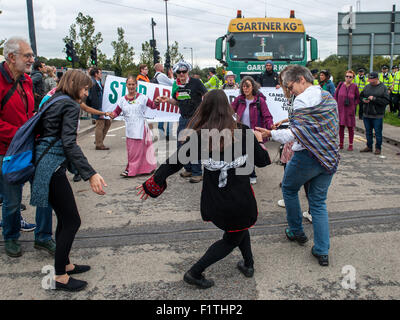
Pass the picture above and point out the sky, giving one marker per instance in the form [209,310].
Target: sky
[193,24]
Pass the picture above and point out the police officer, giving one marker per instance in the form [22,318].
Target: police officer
[213,81]
[396,91]
[315,74]
[361,81]
[386,78]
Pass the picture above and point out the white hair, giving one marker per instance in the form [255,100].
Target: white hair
[12,45]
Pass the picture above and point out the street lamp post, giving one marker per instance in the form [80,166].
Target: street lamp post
[191,50]
[167,58]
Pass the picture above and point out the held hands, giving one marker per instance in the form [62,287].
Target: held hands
[258,136]
[143,195]
[97,183]
[163,99]
[157,100]
[265,133]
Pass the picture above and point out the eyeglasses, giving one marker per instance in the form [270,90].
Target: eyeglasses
[179,72]
[290,87]
[349,76]
[27,55]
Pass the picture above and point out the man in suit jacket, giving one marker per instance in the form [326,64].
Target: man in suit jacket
[95,100]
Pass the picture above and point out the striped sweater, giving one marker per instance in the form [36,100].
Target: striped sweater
[316,128]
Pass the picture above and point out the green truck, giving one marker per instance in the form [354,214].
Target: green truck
[249,42]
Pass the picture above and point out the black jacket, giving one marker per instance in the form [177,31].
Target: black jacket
[95,97]
[38,87]
[232,207]
[61,120]
[375,108]
[269,79]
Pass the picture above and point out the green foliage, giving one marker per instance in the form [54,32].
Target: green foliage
[123,54]
[1,46]
[82,34]
[146,57]
[174,53]
[392,119]
[339,65]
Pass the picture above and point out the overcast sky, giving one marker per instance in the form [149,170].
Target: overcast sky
[192,23]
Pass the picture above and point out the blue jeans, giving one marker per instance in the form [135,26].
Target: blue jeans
[44,224]
[377,125]
[300,169]
[195,169]
[11,209]
[161,127]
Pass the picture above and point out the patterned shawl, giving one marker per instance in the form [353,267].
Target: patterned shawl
[316,128]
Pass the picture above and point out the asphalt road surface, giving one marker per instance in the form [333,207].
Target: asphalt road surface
[141,249]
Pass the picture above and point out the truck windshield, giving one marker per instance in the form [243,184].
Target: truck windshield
[264,46]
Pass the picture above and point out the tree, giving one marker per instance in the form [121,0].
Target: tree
[123,53]
[82,34]
[174,53]
[146,57]
[2,45]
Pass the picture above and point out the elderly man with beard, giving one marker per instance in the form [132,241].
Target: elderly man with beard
[17,104]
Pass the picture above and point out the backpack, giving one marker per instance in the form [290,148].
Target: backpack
[18,167]
[154,80]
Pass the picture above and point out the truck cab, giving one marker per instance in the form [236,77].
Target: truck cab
[249,42]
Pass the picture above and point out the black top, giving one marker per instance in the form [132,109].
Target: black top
[61,120]
[95,97]
[189,97]
[232,207]
[375,108]
[269,79]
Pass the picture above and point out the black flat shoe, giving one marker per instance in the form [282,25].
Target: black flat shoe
[78,269]
[247,271]
[322,258]
[73,285]
[202,283]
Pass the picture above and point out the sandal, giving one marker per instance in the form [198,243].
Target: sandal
[124,174]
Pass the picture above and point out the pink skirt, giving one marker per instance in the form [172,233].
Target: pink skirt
[141,158]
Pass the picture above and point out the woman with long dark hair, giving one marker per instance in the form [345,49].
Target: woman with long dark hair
[252,109]
[58,131]
[227,199]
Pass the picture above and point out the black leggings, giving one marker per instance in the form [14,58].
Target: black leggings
[62,199]
[222,248]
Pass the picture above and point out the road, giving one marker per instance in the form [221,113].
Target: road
[141,249]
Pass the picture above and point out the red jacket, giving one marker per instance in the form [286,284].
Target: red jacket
[14,113]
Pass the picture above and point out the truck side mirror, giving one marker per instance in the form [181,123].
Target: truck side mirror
[314,49]
[218,48]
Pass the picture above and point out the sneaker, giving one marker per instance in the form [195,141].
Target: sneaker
[377,151]
[281,203]
[323,260]
[196,179]
[307,215]
[186,174]
[27,227]
[366,149]
[253,180]
[49,246]
[13,248]
[300,239]
[350,148]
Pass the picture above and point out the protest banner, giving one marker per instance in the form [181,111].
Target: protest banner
[115,88]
